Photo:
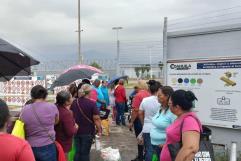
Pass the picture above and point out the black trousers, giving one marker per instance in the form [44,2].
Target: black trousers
[138,129]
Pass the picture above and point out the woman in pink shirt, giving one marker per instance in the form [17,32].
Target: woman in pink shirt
[181,103]
[12,148]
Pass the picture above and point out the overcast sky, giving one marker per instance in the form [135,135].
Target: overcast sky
[46,28]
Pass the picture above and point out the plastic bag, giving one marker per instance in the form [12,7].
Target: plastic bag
[140,139]
[105,127]
[154,157]
[18,129]
[97,143]
[109,154]
[71,154]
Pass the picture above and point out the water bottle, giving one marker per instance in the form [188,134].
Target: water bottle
[97,143]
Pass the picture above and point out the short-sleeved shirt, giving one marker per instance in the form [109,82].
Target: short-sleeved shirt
[174,135]
[89,108]
[100,97]
[160,122]
[112,98]
[139,97]
[15,149]
[36,135]
[105,93]
[120,94]
[150,106]
[93,95]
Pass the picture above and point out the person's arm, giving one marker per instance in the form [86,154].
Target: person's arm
[108,98]
[56,115]
[134,115]
[190,140]
[96,119]
[26,154]
[101,101]
[141,115]
[98,97]
[68,124]
[123,92]
[56,119]
[97,122]
[135,110]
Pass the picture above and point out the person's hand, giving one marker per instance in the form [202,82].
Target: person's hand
[161,146]
[99,134]
[130,125]
[76,126]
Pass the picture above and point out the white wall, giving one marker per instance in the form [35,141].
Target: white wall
[208,43]
[130,71]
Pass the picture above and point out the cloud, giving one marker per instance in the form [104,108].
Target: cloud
[47,28]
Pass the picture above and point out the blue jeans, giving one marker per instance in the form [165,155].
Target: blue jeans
[83,145]
[157,150]
[138,129]
[45,153]
[147,146]
[120,118]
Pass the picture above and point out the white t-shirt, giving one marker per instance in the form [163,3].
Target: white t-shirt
[150,106]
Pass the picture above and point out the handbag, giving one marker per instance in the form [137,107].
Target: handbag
[104,113]
[87,118]
[205,147]
[60,151]
[18,129]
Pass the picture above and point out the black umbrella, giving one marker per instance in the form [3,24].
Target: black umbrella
[14,62]
[75,73]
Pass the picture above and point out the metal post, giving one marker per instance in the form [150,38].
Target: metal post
[118,58]
[233,155]
[117,49]
[79,35]
[165,51]
[150,59]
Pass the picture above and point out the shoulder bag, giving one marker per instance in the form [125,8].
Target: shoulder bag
[83,114]
[18,129]
[205,147]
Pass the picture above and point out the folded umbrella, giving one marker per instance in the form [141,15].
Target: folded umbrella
[14,62]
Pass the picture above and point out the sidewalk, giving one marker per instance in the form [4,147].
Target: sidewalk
[121,138]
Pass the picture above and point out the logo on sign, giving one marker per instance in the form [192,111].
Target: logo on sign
[180,66]
[223,101]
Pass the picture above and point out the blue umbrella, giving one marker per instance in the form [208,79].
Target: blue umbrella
[116,79]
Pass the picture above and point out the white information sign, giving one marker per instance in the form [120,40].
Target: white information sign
[217,85]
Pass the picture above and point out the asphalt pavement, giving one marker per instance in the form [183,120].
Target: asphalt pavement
[120,138]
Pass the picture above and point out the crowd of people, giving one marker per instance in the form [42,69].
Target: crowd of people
[159,115]
[162,116]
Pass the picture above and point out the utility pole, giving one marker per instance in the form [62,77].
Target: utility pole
[150,59]
[117,49]
[80,56]
[165,51]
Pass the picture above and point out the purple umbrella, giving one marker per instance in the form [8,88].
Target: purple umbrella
[74,73]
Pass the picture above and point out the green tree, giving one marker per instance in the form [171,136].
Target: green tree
[143,69]
[160,64]
[137,70]
[96,65]
[147,67]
